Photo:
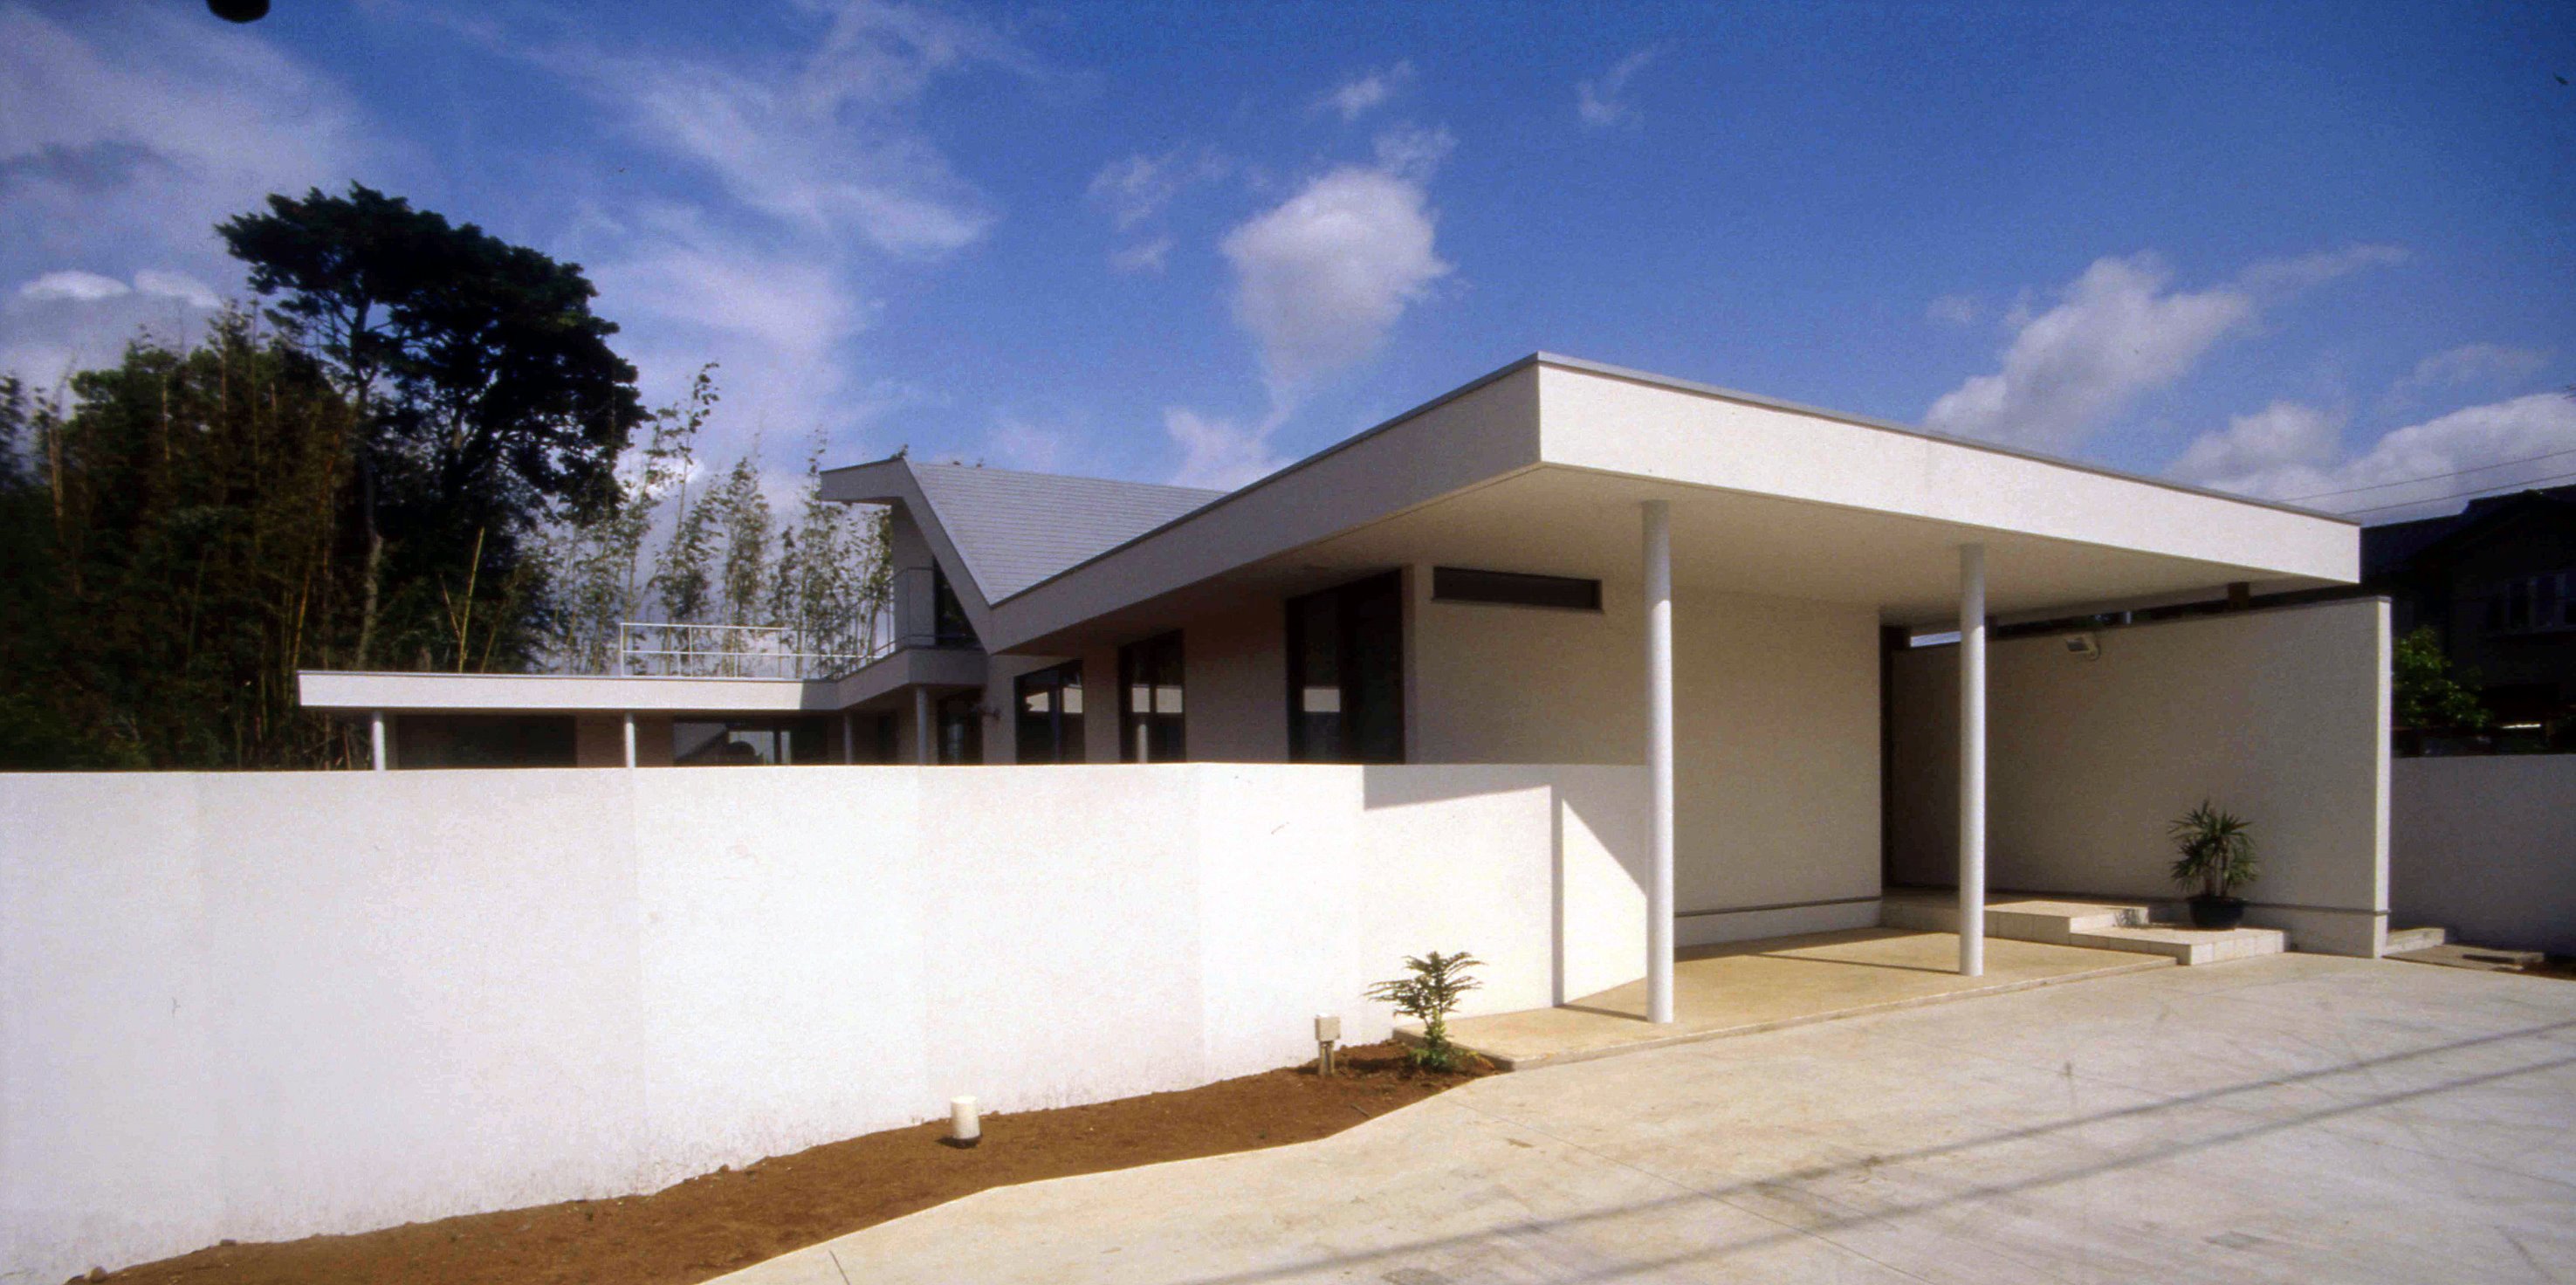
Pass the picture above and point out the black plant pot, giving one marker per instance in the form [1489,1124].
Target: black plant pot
[2217,912]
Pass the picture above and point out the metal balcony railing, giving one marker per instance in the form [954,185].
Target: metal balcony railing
[654,649]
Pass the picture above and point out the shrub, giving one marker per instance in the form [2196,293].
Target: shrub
[2217,849]
[1429,994]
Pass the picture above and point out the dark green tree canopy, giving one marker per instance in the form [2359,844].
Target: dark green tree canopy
[495,391]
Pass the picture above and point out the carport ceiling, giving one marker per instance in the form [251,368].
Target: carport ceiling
[1563,521]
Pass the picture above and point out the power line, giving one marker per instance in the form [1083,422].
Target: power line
[2430,477]
[2458,495]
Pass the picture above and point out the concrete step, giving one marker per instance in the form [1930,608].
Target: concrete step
[2448,955]
[2101,925]
[2187,945]
[2401,940]
[2021,920]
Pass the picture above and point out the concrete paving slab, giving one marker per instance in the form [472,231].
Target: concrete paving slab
[2447,954]
[2315,1119]
[1740,989]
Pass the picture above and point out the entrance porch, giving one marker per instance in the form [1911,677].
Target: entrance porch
[1747,987]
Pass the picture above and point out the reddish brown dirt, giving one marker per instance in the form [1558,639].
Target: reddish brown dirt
[729,1219]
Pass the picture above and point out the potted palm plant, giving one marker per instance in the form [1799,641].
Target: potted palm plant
[2217,850]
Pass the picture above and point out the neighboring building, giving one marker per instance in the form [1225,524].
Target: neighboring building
[2496,582]
[1474,581]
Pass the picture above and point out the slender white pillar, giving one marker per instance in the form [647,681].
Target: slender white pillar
[630,738]
[849,738]
[1659,760]
[1972,760]
[376,740]
[925,738]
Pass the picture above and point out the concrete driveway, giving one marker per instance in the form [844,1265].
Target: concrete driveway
[2296,1118]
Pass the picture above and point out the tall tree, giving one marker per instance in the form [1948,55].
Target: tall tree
[173,545]
[486,397]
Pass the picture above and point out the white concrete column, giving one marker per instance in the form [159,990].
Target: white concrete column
[1972,760]
[630,738]
[1659,760]
[925,738]
[376,740]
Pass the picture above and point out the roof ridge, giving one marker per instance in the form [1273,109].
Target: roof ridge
[962,466]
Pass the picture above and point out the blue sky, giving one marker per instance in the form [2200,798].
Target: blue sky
[2290,250]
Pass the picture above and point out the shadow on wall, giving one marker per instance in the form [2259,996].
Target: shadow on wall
[2277,715]
[1597,860]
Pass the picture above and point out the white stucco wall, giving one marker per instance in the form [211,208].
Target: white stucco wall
[2277,715]
[2485,847]
[1777,720]
[262,1006]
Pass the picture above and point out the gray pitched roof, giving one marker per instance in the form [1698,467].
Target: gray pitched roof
[1016,529]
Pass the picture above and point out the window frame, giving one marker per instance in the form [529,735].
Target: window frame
[1166,736]
[1349,678]
[1063,728]
[1478,586]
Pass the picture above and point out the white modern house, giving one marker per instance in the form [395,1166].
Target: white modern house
[1568,563]
[1614,680]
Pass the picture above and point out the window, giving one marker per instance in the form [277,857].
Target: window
[748,742]
[949,615]
[1514,589]
[1346,673]
[2532,604]
[960,727]
[482,740]
[1150,727]
[1049,714]
[872,738]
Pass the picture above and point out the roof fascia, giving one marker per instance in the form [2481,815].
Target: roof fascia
[1653,380]
[892,481]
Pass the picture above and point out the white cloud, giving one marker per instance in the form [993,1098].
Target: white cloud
[826,143]
[177,285]
[2292,452]
[1137,188]
[2490,365]
[68,321]
[1597,101]
[129,132]
[2273,279]
[1955,310]
[794,303]
[2283,438]
[1322,278]
[1361,94]
[1135,191]
[806,166]
[1412,152]
[73,285]
[1220,453]
[2117,332]
[1024,444]
[1144,256]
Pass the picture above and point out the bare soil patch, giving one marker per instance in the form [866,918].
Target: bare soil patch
[718,1222]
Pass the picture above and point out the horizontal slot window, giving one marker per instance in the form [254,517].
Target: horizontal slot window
[1514,589]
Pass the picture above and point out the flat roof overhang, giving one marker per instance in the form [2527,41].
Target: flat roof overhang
[1542,468]
[555,693]
[877,684]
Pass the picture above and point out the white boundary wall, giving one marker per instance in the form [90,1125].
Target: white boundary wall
[2279,715]
[2486,847]
[262,1006]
